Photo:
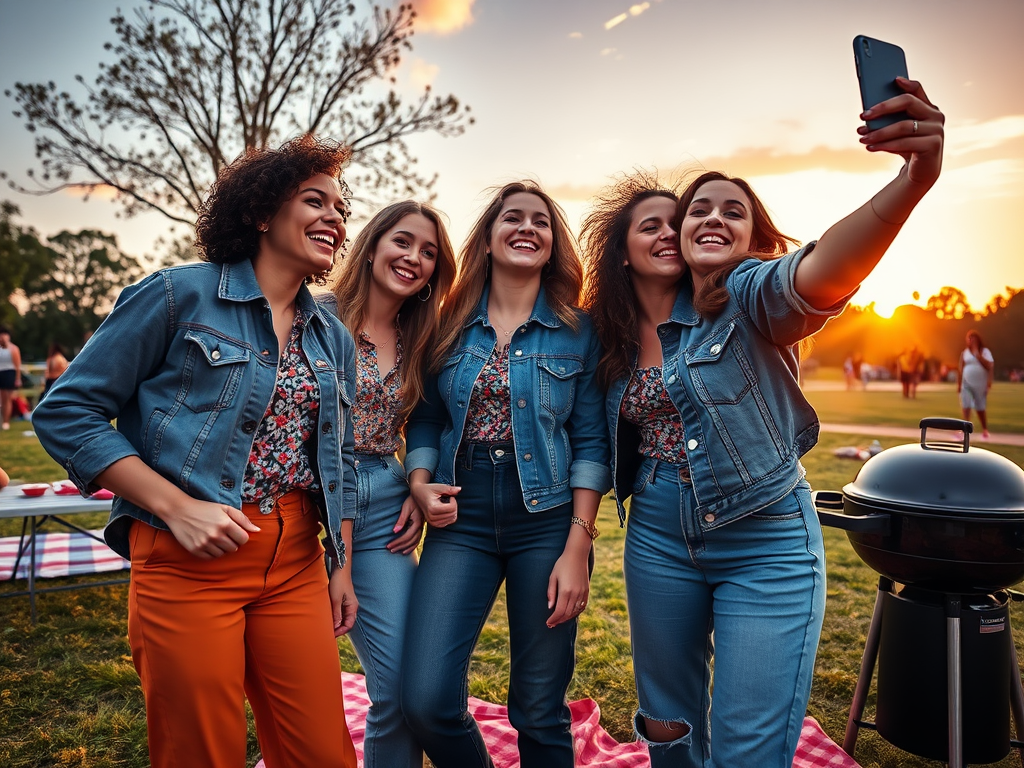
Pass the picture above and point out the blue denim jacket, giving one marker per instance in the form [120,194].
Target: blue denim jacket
[186,363]
[560,437]
[735,380]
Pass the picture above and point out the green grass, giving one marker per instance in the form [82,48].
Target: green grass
[1005,407]
[69,695]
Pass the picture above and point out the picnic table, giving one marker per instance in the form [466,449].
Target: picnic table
[35,512]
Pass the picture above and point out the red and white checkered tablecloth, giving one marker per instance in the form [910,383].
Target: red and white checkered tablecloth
[594,746]
[60,554]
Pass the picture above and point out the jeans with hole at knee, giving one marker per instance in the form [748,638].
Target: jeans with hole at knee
[494,539]
[757,583]
[383,583]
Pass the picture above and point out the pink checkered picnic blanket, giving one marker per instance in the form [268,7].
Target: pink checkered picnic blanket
[60,554]
[594,746]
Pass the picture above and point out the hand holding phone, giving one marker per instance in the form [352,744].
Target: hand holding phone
[878,65]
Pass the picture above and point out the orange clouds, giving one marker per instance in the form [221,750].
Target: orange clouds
[442,16]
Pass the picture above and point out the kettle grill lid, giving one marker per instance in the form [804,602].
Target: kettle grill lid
[940,476]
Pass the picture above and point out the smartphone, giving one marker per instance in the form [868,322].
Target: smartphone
[878,65]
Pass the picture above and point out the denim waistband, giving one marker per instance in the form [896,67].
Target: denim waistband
[380,458]
[498,453]
[682,469]
[291,504]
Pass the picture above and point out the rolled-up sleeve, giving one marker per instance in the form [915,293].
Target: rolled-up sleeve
[73,421]
[423,432]
[587,425]
[766,291]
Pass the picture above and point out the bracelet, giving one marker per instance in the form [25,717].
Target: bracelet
[590,528]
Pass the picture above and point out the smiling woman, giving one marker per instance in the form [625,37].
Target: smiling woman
[230,388]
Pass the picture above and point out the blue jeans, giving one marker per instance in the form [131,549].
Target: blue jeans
[494,539]
[383,583]
[757,584]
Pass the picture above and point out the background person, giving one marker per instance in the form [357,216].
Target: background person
[508,459]
[975,375]
[702,364]
[10,374]
[230,387]
[56,364]
[389,291]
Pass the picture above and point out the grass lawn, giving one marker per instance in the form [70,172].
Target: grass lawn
[69,695]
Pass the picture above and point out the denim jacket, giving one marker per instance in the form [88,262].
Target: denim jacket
[557,426]
[187,363]
[735,380]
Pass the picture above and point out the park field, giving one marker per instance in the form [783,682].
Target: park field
[69,695]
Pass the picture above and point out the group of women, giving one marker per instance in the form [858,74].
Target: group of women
[249,416]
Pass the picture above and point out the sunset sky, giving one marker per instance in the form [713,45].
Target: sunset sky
[571,93]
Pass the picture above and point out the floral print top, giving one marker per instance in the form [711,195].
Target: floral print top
[279,460]
[647,405]
[378,404]
[490,407]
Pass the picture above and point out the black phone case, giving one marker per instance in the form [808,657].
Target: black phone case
[878,65]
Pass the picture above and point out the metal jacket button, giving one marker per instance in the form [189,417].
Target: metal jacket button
[671,379]
[331,487]
[521,402]
[716,348]
[215,355]
[533,502]
[499,452]
[249,427]
[519,353]
[326,428]
[691,444]
[709,517]
[528,457]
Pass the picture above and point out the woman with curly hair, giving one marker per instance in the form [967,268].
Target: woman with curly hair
[389,293]
[701,311]
[231,389]
[508,458]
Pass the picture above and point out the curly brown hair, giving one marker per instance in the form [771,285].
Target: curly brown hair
[766,241]
[608,295]
[418,318]
[251,190]
[562,282]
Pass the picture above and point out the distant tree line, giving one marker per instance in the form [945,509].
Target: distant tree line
[938,330]
[57,289]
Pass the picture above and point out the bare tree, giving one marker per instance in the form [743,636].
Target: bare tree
[198,81]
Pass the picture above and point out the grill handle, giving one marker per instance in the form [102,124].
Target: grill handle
[829,506]
[953,425]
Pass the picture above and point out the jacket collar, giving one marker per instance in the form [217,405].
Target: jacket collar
[542,313]
[683,311]
[238,283]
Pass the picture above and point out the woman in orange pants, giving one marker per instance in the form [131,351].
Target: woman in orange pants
[231,389]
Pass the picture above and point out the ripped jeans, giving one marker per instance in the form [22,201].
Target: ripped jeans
[750,596]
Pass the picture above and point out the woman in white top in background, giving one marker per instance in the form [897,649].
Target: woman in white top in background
[974,379]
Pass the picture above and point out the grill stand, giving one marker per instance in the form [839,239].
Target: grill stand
[953,661]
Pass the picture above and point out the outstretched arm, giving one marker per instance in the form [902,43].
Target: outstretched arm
[851,248]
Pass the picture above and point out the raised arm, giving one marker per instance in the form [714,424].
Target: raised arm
[851,248]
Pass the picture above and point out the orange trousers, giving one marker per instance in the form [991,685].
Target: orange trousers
[256,623]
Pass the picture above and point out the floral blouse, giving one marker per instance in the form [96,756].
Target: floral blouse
[378,400]
[279,460]
[490,407]
[647,405]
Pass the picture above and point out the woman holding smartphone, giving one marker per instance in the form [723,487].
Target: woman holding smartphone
[508,458]
[389,292]
[231,388]
[701,311]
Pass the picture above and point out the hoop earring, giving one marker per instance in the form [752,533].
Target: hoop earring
[430,290]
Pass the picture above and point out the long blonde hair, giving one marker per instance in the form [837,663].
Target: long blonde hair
[562,279]
[417,320]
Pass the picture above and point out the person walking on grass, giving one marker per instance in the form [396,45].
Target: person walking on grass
[975,375]
[10,375]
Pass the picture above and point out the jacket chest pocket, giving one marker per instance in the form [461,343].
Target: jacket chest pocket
[558,382]
[213,371]
[720,372]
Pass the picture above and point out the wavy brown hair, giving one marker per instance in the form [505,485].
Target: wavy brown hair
[417,320]
[562,280]
[252,189]
[766,242]
[608,296]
